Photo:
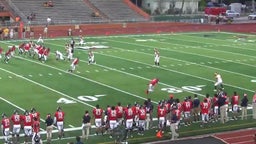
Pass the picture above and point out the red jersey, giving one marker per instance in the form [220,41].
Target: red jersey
[27,120]
[161,112]
[142,114]
[129,114]
[205,106]
[16,119]
[112,115]
[177,113]
[41,51]
[59,115]
[119,111]
[215,101]
[13,48]
[36,115]
[235,100]
[75,61]
[154,81]
[27,46]
[8,53]
[187,106]
[135,109]
[167,106]
[36,126]
[1,50]
[97,113]
[227,100]
[46,52]
[5,123]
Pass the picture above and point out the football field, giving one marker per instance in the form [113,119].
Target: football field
[124,66]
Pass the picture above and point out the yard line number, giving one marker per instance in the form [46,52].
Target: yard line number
[85,98]
[186,88]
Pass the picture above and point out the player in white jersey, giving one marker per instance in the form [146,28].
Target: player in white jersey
[91,57]
[40,39]
[69,53]
[59,55]
[218,82]
[81,41]
[157,57]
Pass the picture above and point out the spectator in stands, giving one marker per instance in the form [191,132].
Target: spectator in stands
[244,104]
[49,20]
[50,3]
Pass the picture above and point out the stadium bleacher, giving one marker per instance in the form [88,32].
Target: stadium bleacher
[75,11]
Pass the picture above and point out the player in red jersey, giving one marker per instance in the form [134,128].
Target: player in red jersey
[129,116]
[5,127]
[27,48]
[97,113]
[215,106]
[152,85]
[7,56]
[119,113]
[45,54]
[27,120]
[16,125]
[135,109]
[205,106]
[235,102]
[142,120]
[36,139]
[21,48]
[161,115]
[73,65]
[34,113]
[12,49]
[187,107]
[59,120]
[112,117]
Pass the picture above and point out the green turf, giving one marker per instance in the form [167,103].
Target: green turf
[188,62]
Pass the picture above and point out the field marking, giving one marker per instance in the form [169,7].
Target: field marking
[46,87]
[93,81]
[176,59]
[201,64]
[178,72]
[167,49]
[14,105]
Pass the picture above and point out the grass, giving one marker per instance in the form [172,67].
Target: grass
[188,62]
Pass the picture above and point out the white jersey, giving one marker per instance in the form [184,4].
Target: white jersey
[218,78]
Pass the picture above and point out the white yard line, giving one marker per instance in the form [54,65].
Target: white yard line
[179,72]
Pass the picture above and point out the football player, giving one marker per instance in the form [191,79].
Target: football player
[36,139]
[157,57]
[16,125]
[218,82]
[59,120]
[152,85]
[59,55]
[27,120]
[1,51]
[5,127]
[73,65]
[97,113]
[91,57]
[129,117]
